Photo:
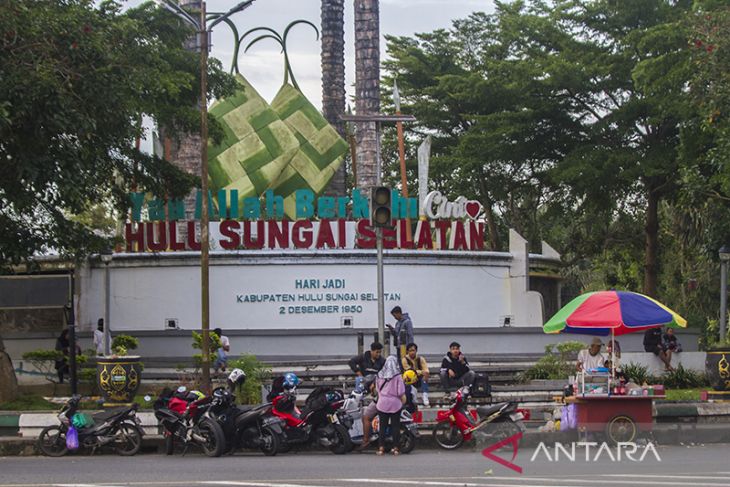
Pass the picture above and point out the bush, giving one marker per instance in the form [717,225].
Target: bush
[45,361]
[638,373]
[121,344]
[557,363]
[681,378]
[711,336]
[256,374]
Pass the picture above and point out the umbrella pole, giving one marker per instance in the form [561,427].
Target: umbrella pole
[613,363]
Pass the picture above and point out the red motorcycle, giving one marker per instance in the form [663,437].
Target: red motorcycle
[317,424]
[492,422]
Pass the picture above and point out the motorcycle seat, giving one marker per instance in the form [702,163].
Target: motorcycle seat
[105,415]
[488,410]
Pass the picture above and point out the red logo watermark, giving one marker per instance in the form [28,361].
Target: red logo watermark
[514,440]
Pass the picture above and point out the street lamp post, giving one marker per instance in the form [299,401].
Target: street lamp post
[724,254]
[202,30]
[106,258]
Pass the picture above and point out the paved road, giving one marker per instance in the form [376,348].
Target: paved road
[679,466]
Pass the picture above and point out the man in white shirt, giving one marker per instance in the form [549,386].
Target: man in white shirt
[99,337]
[221,360]
[591,357]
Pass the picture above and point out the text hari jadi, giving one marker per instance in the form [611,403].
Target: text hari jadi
[158,225]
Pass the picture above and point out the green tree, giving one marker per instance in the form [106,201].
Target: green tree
[76,78]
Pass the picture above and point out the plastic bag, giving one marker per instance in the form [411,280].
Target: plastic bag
[81,421]
[72,439]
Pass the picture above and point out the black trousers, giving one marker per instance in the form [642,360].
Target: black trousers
[392,420]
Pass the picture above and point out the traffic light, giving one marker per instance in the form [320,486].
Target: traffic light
[381,212]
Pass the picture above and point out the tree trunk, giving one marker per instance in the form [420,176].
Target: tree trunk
[367,87]
[651,231]
[8,381]
[333,78]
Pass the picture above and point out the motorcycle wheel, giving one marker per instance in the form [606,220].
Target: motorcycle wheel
[447,436]
[131,440]
[342,440]
[270,442]
[215,441]
[52,442]
[501,430]
[284,445]
[407,441]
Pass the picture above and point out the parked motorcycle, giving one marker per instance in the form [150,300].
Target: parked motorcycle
[119,428]
[496,422]
[252,427]
[317,423]
[350,415]
[186,419]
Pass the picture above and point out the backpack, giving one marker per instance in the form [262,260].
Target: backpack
[320,397]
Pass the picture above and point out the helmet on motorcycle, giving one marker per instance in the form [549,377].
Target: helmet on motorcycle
[410,377]
[290,380]
[236,378]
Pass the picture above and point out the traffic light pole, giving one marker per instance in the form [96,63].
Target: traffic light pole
[378,119]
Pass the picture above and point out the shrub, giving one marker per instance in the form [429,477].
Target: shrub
[256,374]
[638,373]
[45,361]
[711,336]
[214,344]
[681,378]
[121,344]
[557,363]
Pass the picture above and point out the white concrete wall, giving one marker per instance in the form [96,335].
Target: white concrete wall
[438,289]
[689,360]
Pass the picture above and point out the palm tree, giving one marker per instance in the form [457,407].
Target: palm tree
[333,77]
[367,87]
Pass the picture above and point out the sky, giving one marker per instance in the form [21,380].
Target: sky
[263,65]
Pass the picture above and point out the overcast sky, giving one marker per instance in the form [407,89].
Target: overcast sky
[263,65]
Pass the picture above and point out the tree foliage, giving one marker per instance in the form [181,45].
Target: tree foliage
[599,126]
[76,77]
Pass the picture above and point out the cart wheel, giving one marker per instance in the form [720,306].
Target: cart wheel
[621,429]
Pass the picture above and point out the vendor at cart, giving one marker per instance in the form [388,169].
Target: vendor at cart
[591,358]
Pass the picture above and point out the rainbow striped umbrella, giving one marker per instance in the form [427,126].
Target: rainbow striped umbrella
[612,313]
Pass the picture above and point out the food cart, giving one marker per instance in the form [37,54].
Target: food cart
[602,403]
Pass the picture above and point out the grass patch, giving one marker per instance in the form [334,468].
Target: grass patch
[28,402]
[683,394]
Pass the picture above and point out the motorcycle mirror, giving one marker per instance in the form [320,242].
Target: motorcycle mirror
[147,399]
[182,389]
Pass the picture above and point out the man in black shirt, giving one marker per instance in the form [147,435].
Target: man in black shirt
[368,363]
[455,370]
[653,343]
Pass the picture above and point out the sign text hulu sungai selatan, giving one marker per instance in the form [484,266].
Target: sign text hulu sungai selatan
[258,223]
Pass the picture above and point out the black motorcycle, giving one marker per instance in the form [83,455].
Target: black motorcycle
[316,423]
[118,428]
[252,427]
[195,425]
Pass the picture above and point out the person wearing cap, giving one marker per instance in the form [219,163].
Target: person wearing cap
[591,358]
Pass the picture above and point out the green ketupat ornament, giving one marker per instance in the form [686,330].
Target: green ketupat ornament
[320,153]
[257,145]
[321,149]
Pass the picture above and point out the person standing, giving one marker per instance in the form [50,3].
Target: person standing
[99,337]
[413,361]
[455,369]
[590,358]
[221,360]
[391,397]
[403,325]
[63,345]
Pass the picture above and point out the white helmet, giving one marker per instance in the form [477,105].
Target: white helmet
[236,378]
